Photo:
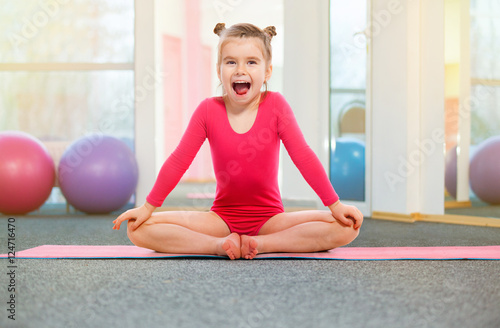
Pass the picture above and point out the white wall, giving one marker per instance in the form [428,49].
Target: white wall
[389,112]
[408,106]
[145,100]
[169,20]
[306,85]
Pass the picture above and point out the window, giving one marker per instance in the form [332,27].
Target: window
[66,70]
[348,58]
[485,69]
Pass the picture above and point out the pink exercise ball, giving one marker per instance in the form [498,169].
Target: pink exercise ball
[485,171]
[27,173]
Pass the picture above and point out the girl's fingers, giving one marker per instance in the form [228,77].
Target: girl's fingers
[359,219]
[117,224]
[118,221]
[345,220]
[348,215]
[137,223]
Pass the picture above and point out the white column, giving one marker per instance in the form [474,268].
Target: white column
[407,106]
[464,120]
[432,107]
[306,85]
[146,83]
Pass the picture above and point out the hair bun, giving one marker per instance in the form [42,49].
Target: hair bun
[271,31]
[219,28]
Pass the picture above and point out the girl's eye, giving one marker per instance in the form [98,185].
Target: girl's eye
[252,62]
[230,62]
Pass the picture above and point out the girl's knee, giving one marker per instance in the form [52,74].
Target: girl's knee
[134,235]
[351,234]
[341,235]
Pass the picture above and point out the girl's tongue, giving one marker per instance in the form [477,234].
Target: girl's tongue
[241,88]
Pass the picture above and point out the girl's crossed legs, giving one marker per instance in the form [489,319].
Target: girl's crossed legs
[207,233]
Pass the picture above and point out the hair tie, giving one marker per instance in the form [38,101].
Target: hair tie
[271,31]
[219,28]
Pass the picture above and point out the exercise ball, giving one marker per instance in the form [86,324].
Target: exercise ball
[347,168]
[27,173]
[484,171]
[450,172]
[98,174]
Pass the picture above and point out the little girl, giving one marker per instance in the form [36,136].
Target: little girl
[244,129]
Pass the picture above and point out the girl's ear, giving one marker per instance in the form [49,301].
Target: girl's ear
[217,68]
[269,72]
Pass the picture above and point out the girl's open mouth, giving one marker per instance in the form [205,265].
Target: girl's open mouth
[241,88]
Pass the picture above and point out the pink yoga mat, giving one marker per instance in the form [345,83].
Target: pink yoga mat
[342,253]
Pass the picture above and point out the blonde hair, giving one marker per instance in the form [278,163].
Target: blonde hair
[246,30]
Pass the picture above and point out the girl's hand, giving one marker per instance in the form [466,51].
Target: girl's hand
[139,214]
[346,214]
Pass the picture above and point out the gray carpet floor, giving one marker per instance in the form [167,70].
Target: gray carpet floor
[241,294]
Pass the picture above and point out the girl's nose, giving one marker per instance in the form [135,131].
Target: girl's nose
[240,70]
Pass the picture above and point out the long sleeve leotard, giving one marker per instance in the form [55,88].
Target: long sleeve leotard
[245,165]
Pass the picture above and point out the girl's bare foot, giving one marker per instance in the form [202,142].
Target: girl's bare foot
[248,247]
[230,246]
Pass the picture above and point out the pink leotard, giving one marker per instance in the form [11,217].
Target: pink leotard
[246,164]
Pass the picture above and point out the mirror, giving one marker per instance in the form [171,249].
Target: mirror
[472,113]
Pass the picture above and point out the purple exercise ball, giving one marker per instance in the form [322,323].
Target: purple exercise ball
[98,174]
[485,171]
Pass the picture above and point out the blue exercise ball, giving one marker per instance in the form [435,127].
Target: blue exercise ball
[98,174]
[347,168]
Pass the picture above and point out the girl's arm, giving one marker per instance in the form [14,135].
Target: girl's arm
[179,161]
[301,154]
[172,170]
[310,166]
